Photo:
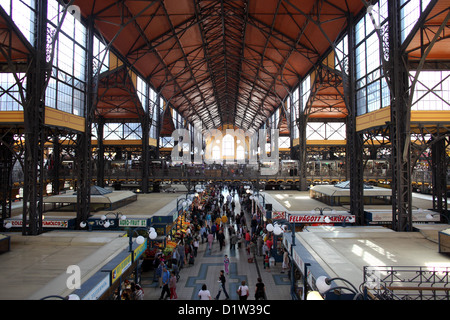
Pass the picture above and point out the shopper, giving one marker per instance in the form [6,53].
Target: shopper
[226,263]
[221,239]
[138,293]
[210,240]
[243,291]
[203,233]
[195,246]
[165,284]
[260,290]
[222,281]
[204,293]
[173,286]
[233,240]
[285,264]
[266,260]
[181,255]
[159,272]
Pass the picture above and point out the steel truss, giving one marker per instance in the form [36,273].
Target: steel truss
[395,69]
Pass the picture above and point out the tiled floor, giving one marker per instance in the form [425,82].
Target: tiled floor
[206,270]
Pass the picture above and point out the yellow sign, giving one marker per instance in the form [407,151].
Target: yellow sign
[120,269]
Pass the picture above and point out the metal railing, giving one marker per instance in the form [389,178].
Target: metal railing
[421,177]
[407,283]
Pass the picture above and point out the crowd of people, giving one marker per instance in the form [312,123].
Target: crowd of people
[129,291]
[213,214]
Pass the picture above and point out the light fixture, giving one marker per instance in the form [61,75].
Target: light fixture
[323,284]
[107,224]
[277,230]
[140,240]
[430,216]
[314,295]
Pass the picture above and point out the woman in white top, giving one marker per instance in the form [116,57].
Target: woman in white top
[243,291]
[204,294]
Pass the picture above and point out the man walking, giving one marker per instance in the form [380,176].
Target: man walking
[165,282]
[222,286]
[221,239]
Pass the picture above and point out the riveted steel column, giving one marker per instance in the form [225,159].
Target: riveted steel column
[145,141]
[399,127]
[302,123]
[302,157]
[34,129]
[354,151]
[6,166]
[439,175]
[100,152]
[84,151]
[55,165]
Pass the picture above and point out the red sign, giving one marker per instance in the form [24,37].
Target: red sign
[321,219]
[45,223]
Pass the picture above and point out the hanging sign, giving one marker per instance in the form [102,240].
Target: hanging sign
[293,218]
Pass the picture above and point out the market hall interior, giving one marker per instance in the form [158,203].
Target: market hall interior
[37,267]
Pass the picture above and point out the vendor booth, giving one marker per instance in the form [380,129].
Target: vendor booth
[110,281]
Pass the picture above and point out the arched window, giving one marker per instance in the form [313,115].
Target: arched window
[228,146]
[215,153]
[240,153]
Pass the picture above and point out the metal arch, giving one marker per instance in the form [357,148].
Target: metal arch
[262,56]
[166,68]
[221,75]
[208,58]
[235,17]
[132,20]
[182,50]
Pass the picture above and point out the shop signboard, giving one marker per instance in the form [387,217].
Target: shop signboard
[139,250]
[300,218]
[121,268]
[133,223]
[100,224]
[46,223]
[96,292]
[278,215]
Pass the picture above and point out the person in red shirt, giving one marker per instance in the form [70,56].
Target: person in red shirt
[247,241]
[269,243]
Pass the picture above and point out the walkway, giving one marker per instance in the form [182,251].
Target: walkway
[206,270]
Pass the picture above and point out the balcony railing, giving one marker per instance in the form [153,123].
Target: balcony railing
[408,283]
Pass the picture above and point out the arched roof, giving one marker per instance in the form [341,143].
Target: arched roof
[223,62]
